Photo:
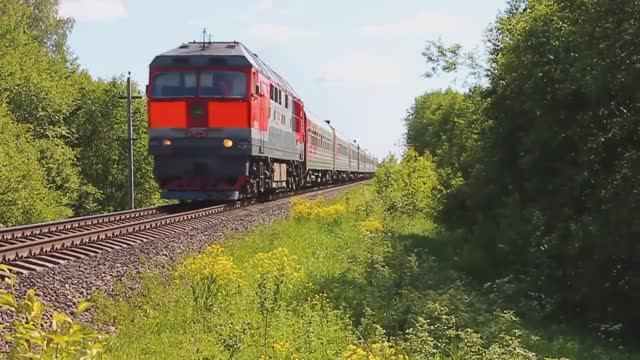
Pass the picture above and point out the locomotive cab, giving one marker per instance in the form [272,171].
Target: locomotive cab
[199,103]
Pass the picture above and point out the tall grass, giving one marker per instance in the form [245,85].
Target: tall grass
[339,280]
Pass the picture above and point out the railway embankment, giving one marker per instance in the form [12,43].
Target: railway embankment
[340,278]
[62,285]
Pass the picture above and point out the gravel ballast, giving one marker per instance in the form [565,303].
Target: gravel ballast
[62,286]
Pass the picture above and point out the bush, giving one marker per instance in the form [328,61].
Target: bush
[447,125]
[30,337]
[409,187]
[25,194]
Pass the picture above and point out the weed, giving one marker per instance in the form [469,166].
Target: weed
[336,280]
[30,337]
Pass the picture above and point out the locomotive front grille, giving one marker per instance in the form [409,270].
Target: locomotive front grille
[200,169]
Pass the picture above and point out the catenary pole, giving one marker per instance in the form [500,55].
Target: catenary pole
[132,193]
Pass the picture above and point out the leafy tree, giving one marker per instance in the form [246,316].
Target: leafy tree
[58,162]
[77,124]
[554,189]
[100,133]
[47,27]
[37,85]
[24,194]
[446,124]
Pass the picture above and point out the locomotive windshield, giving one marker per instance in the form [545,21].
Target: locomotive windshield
[224,84]
[175,84]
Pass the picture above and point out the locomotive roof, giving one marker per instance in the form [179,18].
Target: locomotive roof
[232,53]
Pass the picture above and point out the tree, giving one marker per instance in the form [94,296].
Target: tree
[24,194]
[554,190]
[446,124]
[100,133]
[77,124]
[37,84]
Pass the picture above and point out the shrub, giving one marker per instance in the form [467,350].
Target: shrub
[275,275]
[409,187]
[210,274]
[30,337]
[25,194]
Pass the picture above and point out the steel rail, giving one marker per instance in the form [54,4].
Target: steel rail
[37,252]
[16,232]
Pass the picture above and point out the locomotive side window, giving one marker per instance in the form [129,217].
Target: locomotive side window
[223,84]
[174,84]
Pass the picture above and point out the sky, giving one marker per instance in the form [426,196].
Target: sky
[357,63]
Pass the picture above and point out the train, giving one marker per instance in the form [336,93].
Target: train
[223,125]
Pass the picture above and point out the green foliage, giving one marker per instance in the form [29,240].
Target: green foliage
[77,124]
[58,162]
[451,59]
[410,186]
[100,128]
[47,27]
[545,190]
[31,337]
[372,287]
[447,125]
[24,192]
[441,57]
[37,85]
[553,189]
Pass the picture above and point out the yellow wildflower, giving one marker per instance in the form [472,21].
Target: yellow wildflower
[371,227]
[283,350]
[277,265]
[377,351]
[211,263]
[209,274]
[275,272]
[313,209]
[354,353]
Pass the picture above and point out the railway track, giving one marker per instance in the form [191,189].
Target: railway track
[34,247]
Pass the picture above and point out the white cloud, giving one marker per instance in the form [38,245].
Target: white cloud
[264,5]
[364,70]
[277,33]
[93,10]
[423,23]
[289,12]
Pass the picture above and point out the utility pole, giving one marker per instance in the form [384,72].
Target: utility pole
[132,193]
[130,139]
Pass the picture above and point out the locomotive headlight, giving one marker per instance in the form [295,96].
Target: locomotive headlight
[227,143]
[166,142]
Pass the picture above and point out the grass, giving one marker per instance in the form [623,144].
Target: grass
[339,280]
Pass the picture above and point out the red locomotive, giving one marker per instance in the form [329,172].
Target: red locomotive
[224,125]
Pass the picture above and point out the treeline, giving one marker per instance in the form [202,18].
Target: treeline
[63,147]
[539,167]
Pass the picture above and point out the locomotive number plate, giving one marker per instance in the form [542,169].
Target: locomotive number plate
[196,133]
